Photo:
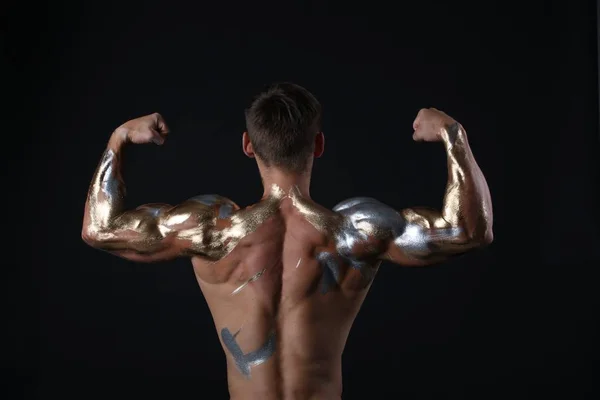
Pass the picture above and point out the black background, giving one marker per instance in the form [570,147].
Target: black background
[518,320]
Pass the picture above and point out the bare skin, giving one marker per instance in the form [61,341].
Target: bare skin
[285,278]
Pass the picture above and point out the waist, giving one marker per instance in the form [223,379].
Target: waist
[300,394]
[287,377]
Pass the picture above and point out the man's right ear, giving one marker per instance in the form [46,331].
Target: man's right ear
[247,146]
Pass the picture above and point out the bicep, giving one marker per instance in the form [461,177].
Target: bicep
[425,238]
[136,234]
[156,232]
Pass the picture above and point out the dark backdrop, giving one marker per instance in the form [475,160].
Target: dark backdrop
[518,320]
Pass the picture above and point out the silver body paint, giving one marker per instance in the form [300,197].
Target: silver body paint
[252,279]
[363,218]
[226,208]
[244,362]
[361,230]
[367,218]
[109,182]
[331,271]
[366,222]
[416,240]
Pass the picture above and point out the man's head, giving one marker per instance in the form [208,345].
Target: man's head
[284,128]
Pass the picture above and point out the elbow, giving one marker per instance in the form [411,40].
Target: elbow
[487,238]
[479,238]
[90,236]
[482,239]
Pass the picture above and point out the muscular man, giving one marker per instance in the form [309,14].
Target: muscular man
[284,278]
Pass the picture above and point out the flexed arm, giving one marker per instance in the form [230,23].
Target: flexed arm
[465,220]
[421,236]
[151,232]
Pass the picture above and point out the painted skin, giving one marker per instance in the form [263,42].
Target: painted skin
[284,278]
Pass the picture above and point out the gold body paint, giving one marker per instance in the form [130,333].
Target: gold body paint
[210,226]
[364,228]
[465,221]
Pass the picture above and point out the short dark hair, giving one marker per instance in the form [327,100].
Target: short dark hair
[282,124]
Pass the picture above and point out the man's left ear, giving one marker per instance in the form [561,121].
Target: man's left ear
[319,145]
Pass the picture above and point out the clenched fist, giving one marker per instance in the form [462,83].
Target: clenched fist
[148,129]
[429,124]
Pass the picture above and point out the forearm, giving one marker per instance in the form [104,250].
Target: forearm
[427,236]
[105,200]
[467,202]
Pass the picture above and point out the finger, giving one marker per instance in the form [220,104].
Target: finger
[157,138]
[418,118]
[161,124]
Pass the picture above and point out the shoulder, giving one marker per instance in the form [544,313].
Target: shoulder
[224,206]
[367,210]
[354,203]
[365,206]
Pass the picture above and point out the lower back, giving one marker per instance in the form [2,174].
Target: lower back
[281,322]
[293,352]
[306,363]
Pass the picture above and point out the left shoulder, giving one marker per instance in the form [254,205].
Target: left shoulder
[224,205]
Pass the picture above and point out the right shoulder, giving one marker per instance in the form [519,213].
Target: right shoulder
[354,203]
[369,214]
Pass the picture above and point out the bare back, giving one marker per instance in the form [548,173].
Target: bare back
[284,298]
[285,277]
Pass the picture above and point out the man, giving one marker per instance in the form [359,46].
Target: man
[284,278]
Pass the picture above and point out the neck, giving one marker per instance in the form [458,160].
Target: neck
[285,181]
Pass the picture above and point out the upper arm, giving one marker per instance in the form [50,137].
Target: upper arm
[412,237]
[155,232]
[427,238]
